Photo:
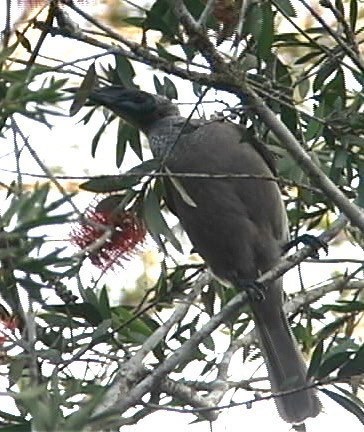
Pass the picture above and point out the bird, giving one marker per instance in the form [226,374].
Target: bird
[238,225]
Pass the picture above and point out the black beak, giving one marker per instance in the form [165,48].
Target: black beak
[108,96]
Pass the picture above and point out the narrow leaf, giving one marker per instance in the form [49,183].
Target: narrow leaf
[121,142]
[124,70]
[355,366]
[155,221]
[346,403]
[353,14]
[180,189]
[84,91]
[332,362]
[24,41]
[316,360]
[287,7]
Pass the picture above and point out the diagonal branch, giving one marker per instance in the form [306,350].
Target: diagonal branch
[198,37]
[133,381]
[318,177]
[225,79]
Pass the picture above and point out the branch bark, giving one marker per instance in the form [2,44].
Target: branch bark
[133,381]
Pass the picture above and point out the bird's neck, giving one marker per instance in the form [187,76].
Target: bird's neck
[163,134]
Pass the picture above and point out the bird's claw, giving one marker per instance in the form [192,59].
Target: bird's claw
[308,240]
[254,290]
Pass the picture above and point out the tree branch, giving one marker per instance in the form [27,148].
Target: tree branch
[133,370]
[226,79]
[198,37]
[133,381]
[318,177]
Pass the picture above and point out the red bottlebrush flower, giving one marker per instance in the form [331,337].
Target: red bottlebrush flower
[128,231]
[11,323]
[7,323]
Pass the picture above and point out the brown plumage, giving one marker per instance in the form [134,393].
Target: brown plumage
[237,225]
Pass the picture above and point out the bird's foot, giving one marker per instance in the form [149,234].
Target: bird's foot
[308,240]
[254,290]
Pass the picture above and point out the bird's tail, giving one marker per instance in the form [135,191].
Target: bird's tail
[284,361]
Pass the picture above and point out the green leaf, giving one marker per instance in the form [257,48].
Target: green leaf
[117,183]
[330,328]
[316,359]
[254,21]
[180,189]
[344,306]
[128,325]
[87,311]
[209,343]
[162,52]
[16,368]
[84,91]
[332,362]
[134,142]
[308,57]
[7,52]
[158,85]
[286,6]
[160,17]
[32,204]
[102,329]
[127,134]
[121,142]
[37,265]
[353,14]
[195,7]
[155,221]
[43,221]
[334,92]
[324,72]
[111,203]
[104,303]
[103,184]
[57,203]
[51,354]
[80,418]
[87,117]
[56,320]
[208,298]
[124,70]
[266,35]
[22,427]
[355,366]
[346,403]
[23,41]
[98,135]
[360,198]
[170,90]
[89,296]
[315,127]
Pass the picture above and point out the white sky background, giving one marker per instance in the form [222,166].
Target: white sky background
[67,145]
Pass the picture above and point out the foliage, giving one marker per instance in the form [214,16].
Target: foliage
[54,322]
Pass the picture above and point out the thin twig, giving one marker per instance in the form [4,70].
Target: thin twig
[197,36]
[206,12]
[7,29]
[286,138]
[346,48]
[44,168]
[48,23]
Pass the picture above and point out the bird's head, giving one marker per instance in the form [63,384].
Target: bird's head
[137,107]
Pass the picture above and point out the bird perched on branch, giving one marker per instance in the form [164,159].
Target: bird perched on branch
[238,225]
